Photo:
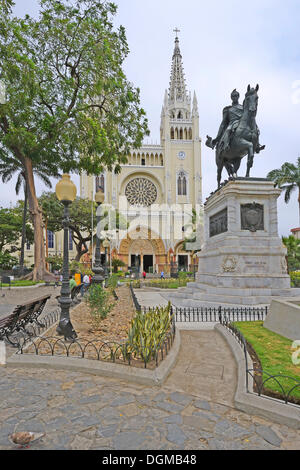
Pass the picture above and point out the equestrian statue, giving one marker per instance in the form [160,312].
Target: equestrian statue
[238,135]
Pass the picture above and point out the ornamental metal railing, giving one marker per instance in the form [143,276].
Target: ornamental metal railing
[215,314]
[260,378]
[107,351]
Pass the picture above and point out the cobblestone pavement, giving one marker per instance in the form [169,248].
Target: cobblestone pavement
[193,410]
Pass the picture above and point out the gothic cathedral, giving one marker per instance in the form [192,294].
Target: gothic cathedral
[155,179]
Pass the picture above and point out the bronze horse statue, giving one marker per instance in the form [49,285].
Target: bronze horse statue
[242,137]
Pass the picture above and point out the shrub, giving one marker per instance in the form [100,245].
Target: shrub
[295,278]
[7,261]
[182,275]
[112,281]
[99,302]
[147,331]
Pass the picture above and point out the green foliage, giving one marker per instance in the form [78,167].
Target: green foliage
[82,223]
[147,331]
[117,263]
[76,267]
[295,278]
[55,261]
[68,100]
[23,283]
[11,221]
[6,6]
[287,178]
[293,252]
[182,275]
[164,283]
[275,354]
[7,261]
[99,302]
[112,282]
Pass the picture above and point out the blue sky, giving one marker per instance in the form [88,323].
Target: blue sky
[225,45]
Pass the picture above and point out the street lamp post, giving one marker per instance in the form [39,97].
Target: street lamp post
[66,193]
[106,245]
[98,268]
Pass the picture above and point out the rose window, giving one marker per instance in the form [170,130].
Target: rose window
[141,192]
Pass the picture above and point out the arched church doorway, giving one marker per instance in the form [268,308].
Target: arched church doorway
[144,250]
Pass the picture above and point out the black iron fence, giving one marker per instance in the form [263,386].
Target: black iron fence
[108,351]
[215,314]
[137,305]
[260,377]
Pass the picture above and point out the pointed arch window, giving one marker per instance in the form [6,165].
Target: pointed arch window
[50,236]
[182,184]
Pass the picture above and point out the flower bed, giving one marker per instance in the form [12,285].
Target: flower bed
[123,337]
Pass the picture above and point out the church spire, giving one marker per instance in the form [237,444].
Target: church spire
[177,91]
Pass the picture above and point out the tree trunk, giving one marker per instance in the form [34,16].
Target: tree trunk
[23,241]
[80,251]
[39,270]
[47,243]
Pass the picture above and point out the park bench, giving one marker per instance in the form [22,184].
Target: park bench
[75,292]
[22,315]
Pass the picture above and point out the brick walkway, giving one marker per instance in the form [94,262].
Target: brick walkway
[193,410]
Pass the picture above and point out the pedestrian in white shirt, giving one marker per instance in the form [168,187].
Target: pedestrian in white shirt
[86,281]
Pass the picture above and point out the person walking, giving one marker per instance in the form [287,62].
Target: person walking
[86,282]
[144,274]
[162,275]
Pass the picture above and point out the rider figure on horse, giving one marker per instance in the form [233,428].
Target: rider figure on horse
[231,116]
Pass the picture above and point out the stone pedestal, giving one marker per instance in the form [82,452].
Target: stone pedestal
[242,261]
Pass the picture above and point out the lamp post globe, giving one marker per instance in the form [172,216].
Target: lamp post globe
[66,193]
[98,268]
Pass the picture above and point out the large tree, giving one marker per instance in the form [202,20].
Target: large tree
[11,223]
[69,102]
[293,252]
[287,178]
[82,221]
[9,167]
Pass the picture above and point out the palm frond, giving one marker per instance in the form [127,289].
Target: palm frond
[288,192]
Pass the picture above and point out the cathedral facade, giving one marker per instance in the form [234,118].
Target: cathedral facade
[159,187]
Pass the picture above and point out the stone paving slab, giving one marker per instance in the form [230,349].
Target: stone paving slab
[5,309]
[80,411]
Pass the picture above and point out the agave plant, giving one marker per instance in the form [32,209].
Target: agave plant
[147,332]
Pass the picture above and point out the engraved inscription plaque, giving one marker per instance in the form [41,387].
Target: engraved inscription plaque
[252,217]
[218,223]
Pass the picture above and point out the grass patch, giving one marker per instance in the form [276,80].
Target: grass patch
[23,283]
[161,283]
[275,355]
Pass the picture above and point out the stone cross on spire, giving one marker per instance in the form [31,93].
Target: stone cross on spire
[176,30]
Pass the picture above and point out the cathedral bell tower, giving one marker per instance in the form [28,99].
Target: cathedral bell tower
[180,137]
